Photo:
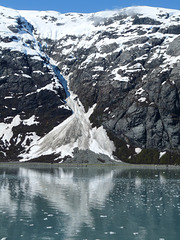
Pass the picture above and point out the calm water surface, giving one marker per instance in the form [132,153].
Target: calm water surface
[89,203]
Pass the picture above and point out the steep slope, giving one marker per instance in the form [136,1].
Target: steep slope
[32,96]
[127,63]
[123,71]
[37,121]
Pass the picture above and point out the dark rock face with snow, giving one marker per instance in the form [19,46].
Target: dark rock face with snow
[123,74]
[28,107]
[32,96]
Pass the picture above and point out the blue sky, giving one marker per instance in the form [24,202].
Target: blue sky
[85,6]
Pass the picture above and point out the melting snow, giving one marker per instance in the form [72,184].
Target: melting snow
[118,77]
[142,99]
[30,121]
[139,91]
[75,131]
[6,132]
[26,76]
[162,154]
[138,150]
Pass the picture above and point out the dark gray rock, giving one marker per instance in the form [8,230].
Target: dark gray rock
[175,29]
[23,93]
[145,20]
[147,120]
[88,157]
[174,47]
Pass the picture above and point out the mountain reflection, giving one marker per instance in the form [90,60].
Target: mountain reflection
[68,193]
[75,202]
[72,196]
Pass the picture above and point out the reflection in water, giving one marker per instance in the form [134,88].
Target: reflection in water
[72,196]
[89,203]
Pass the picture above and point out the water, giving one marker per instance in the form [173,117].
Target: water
[89,203]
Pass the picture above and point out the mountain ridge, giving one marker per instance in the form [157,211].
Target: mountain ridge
[121,66]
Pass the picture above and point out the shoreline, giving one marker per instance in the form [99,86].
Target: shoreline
[86,165]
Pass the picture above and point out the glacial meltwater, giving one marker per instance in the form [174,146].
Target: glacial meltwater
[123,203]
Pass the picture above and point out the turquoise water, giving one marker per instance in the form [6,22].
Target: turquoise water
[89,203]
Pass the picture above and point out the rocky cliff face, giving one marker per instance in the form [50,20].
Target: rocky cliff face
[31,93]
[123,73]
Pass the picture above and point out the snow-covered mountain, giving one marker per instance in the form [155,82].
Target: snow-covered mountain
[80,87]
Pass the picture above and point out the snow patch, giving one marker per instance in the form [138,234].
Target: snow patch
[26,76]
[106,109]
[30,121]
[39,72]
[138,150]
[139,91]
[118,77]
[142,99]
[161,154]
[6,132]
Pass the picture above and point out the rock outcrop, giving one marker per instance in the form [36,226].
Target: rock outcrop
[32,97]
[123,67]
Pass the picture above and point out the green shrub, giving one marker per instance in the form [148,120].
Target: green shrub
[165,159]
[122,152]
[147,156]
[170,158]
